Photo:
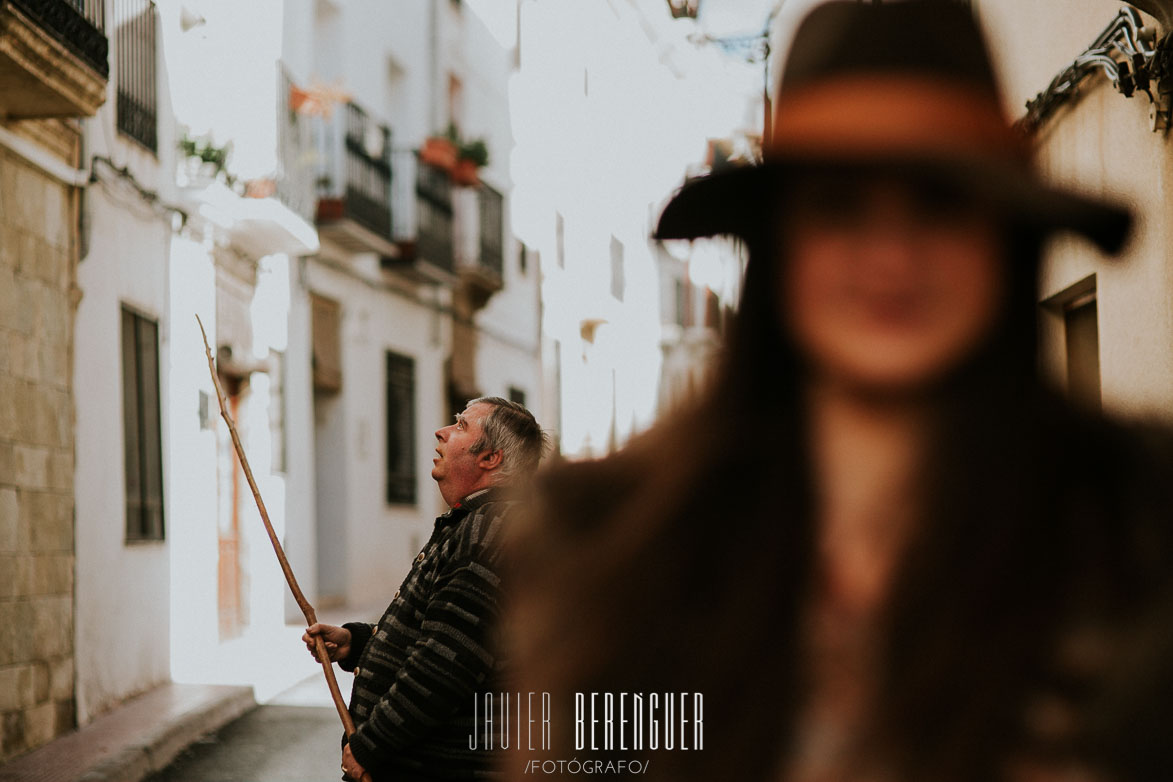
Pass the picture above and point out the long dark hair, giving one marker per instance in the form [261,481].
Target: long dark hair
[683,562]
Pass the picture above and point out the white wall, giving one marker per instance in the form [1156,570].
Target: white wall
[301,544]
[383,57]
[192,484]
[1102,144]
[120,585]
[122,589]
[223,77]
[611,106]
[378,538]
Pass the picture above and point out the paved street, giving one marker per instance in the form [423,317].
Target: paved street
[293,738]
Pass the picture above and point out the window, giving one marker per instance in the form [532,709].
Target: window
[401,461]
[143,444]
[1081,326]
[712,310]
[558,395]
[490,206]
[277,410]
[137,90]
[560,240]
[455,102]
[618,283]
[1074,329]
[327,343]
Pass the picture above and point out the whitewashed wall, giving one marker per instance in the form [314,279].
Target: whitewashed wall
[1102,144]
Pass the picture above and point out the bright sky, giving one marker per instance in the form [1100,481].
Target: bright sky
[732,17]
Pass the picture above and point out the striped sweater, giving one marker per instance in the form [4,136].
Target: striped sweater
[418,669]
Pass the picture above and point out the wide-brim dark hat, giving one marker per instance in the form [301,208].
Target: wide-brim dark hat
[906,87]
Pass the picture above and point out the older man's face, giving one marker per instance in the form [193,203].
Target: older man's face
[455,469]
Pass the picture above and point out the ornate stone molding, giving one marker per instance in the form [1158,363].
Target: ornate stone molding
[1129,55]
[58,136]
[40,76]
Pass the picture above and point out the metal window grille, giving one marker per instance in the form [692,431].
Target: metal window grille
[368,171]
[79,24]
[401,462]
[492,228]
[326,361]
[142,444]
[135,38]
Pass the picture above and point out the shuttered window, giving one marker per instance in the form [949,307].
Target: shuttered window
[143,445]
[401,461]
[327,344]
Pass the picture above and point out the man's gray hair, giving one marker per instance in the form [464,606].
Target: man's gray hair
[513,430]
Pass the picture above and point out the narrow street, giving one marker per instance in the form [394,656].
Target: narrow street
[293,738]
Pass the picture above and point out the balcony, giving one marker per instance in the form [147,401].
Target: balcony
[295,152]
[479,237]
[434,210]
[423,227]
[54,58]
[354,183]
[488,267]
[138,90]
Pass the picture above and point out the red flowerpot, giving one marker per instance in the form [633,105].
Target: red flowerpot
[438,152]
[465,173]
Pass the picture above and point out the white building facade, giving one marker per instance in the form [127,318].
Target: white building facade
[353,296]
[1107,324]
[614,103]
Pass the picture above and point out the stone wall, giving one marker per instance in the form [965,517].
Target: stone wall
[37,274]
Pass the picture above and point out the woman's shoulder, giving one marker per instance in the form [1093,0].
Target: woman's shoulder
[1112,452]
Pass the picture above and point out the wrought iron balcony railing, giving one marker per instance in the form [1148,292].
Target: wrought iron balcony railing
[354,181]
[368,171]
[135,42]
[78,24]
[434,217]
[295,151]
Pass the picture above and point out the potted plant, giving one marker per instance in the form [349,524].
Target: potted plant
[471,156]
[204,160]
[441,151]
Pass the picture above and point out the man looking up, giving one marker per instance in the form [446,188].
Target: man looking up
[417,671]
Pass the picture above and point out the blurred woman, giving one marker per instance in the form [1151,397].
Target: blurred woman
[879,546]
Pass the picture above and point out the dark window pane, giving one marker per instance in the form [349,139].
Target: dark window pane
[401,460]
[1083,354]
[131,432]
[143,444]
[492,229]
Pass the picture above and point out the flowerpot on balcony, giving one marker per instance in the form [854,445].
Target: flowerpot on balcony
[465,173]
[438,152]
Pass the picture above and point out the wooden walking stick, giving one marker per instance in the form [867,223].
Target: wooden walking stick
[307,609]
